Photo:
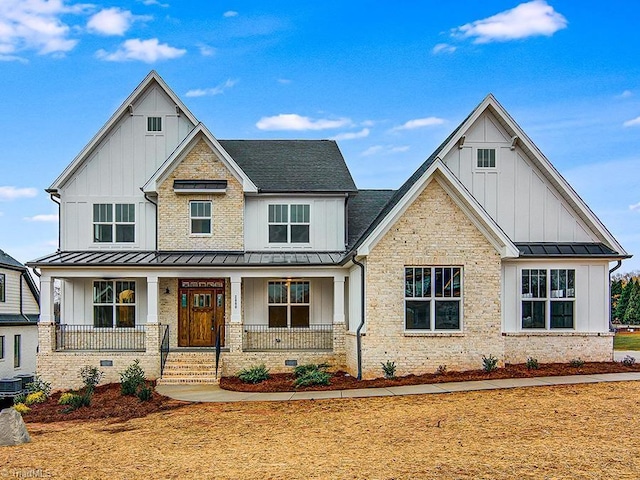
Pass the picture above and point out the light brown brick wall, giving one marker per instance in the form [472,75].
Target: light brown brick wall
[433,231]
[558,347]
[201,163]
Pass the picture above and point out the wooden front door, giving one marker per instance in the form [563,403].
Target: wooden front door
[201,314]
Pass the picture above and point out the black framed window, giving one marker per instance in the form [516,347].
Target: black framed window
[433,297]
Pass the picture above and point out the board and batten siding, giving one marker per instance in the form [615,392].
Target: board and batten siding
[591,293]
[11,305]
[326,228]
[116,169]
[256,307]
[516,194]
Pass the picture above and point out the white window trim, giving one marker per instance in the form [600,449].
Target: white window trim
[433,299]
[156,132]
[115,304]
[289,224]
[113,223]
[3,282]
[17,359]
[547,302]
[487,146]
[210,218]
[289,303]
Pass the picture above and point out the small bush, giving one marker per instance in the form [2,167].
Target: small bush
[629,361]
[21,398]
[313,377]
[389,369]
[302,370]
[67,398]
[441,370]
[576,362]
[132,379]
[76,401]
[21,408]
[144,393]
[35,397]
[532,363]
[39,385]
[489,364]
[90,377]
[255,374]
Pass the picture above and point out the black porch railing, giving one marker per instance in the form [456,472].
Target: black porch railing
[164,346]
[88,337]
[260,338]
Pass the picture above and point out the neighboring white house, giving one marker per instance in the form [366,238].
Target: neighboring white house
[18,319]
[173,241]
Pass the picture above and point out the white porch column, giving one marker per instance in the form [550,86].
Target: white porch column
[236,299]
[46,299]
[338,299]
[152,299]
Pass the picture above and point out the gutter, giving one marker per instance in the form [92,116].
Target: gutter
[362,300]
[156,206]
[618,265]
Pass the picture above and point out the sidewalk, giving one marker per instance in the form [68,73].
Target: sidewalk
[213,393]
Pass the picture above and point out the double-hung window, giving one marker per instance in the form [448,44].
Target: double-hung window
[114,303]
[289,223]
[2,287]
[17,350]
[114,223]
[200,215]
[288,304]
[433,298]
[548,298]
[1,347]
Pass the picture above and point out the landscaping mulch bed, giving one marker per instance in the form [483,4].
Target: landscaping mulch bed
[107,403]
[283,382]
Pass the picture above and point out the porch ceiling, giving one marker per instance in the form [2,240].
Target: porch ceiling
[187,259]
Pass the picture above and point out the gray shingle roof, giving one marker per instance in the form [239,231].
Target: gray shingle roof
[7,260]
[363,207]
[292,165]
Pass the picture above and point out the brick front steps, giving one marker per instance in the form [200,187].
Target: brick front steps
[190,367]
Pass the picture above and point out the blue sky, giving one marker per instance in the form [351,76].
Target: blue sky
[388,80]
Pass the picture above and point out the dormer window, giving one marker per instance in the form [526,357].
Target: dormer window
[154,124]
[486,158]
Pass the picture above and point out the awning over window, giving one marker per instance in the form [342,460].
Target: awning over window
[199,186]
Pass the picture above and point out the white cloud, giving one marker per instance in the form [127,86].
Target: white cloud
[376,149]
[635,207]
[419,123]
[284,81]
[13,193]
[368,123]
[35,25]
[148,51]
[632,123]
[230,13]
[443,48]
[292,121]
[352,135]
[206,50]
[154,2]
[201,92]
[526,20]
[625,94]
[43,218]
[112,21]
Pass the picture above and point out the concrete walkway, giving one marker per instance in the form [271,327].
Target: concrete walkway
[213,393]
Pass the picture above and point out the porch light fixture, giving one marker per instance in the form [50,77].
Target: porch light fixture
[167,291]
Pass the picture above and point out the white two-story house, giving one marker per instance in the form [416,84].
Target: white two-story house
[173,242]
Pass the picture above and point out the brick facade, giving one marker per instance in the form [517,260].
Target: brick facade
[227,225]
[433,231]
[558,347]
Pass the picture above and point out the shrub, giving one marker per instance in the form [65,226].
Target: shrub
[441,370]
[313,377]
[489,364]
[144,393]
[576,362]
[255,374]
[21,408]
[389,369]
[302,370]
[90,377]
[66,398]
[628,361]
[39,385]
[35,397]
[21,398]
[532,363]
[76,401]
[132,379]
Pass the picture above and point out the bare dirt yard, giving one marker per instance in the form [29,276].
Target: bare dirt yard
[575,431]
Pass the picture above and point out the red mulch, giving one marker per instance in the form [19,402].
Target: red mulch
[107,403]
[283,382]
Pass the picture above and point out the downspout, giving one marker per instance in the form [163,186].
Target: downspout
[362,301]
[619,264]
[155,205]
